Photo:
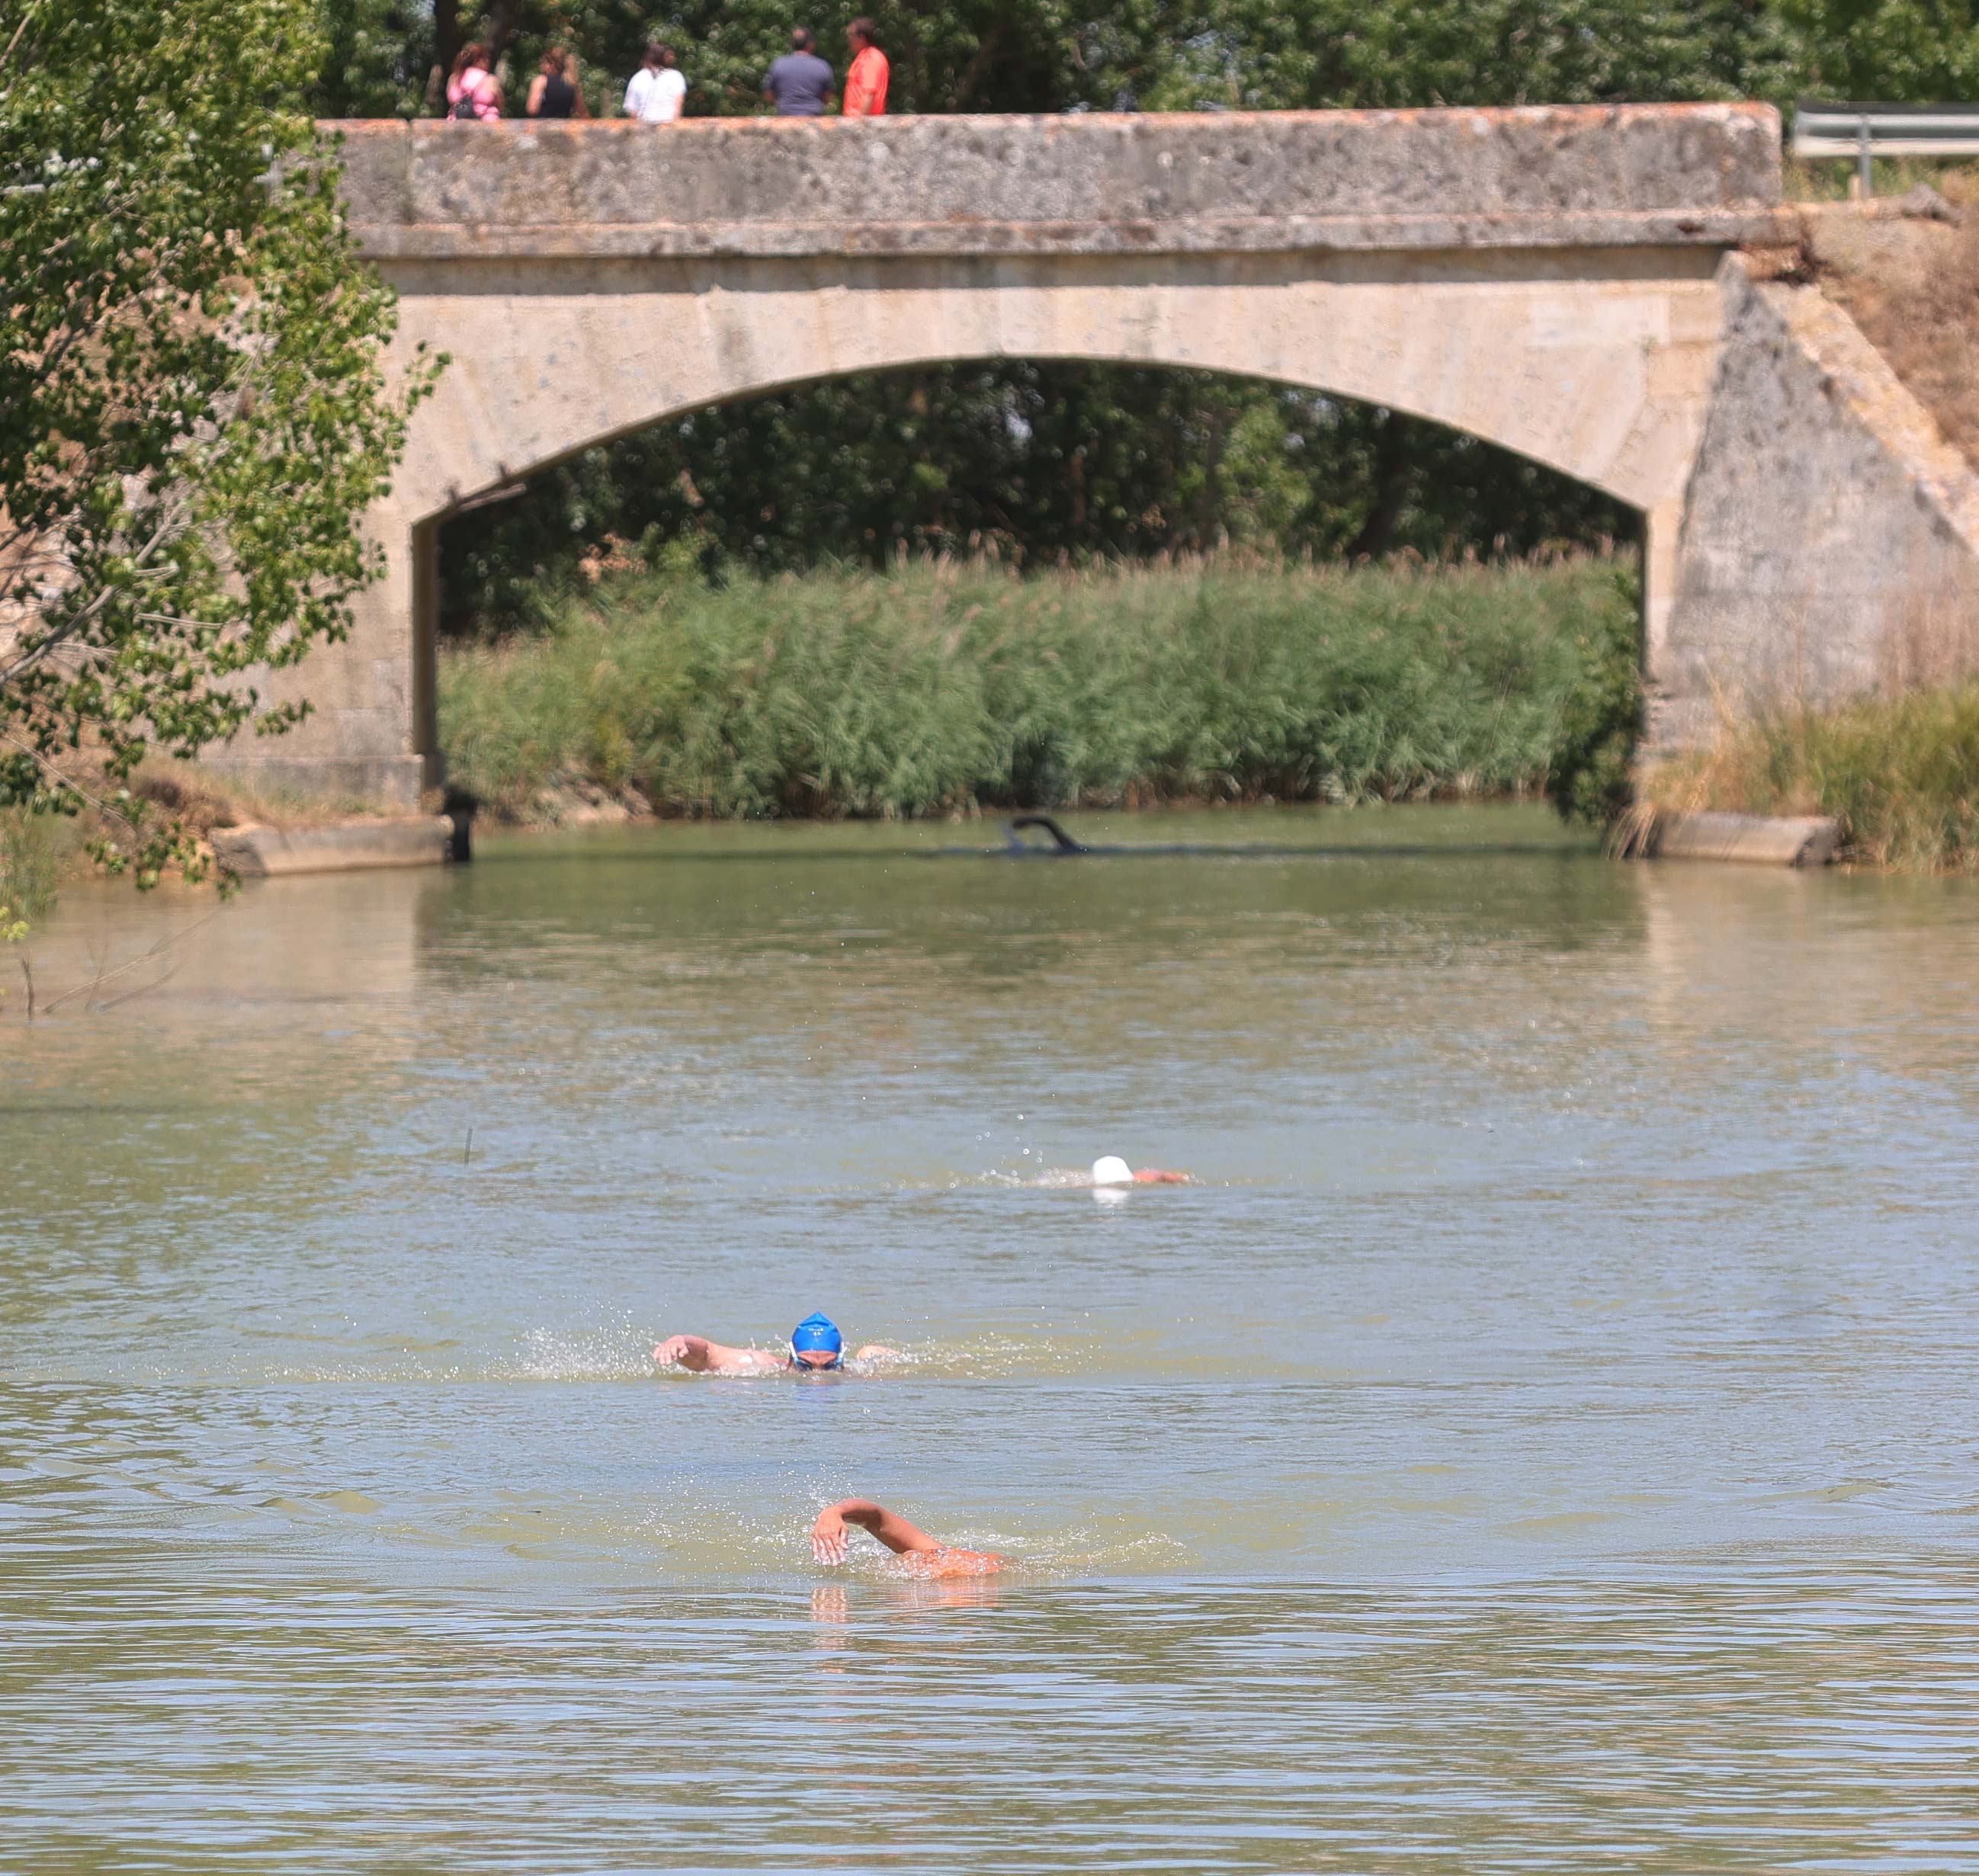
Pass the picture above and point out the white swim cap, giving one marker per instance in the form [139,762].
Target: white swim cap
[1112,1170]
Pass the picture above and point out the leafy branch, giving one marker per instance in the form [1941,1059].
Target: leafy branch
[196,405]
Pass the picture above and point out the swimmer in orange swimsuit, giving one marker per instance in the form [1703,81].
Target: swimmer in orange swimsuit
[920,1554]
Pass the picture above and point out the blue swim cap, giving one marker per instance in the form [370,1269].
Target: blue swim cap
[816,1331]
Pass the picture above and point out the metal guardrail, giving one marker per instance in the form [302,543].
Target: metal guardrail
[1867,132]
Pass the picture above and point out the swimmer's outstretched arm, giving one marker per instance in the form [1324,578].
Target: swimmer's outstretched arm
[696,1352]
[876,1351]
[828,1536]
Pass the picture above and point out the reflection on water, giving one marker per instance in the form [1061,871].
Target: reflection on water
[1543,1436]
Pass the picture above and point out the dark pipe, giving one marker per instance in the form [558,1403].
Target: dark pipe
[1066,844]
[460,807]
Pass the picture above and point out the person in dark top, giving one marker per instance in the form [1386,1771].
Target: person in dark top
[553,91]
[799,84]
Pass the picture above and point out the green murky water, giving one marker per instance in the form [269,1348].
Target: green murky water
[1544,1439]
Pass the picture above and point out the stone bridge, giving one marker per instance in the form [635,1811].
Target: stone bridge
[1591,288]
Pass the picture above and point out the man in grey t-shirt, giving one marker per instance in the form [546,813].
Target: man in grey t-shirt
[799,84]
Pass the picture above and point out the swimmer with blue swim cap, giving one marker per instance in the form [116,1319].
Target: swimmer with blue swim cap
[815,1343]
[816,1348]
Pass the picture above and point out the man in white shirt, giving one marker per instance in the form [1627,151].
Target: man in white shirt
[655,95]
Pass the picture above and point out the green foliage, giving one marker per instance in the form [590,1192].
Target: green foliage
[34,849]
[375,58]
[1399,54]
[1592,776]
[1894,51]
[1054,55]
[933,689]
[1902,773]
[192,410]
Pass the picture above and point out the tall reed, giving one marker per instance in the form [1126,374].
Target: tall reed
[939,687]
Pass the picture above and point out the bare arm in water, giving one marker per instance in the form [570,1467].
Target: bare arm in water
[929,1556]
[828,1536]
[705,1358]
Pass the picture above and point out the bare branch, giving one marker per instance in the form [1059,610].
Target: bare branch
[171,971]
[12,43]
[164,945]
[43,647]
[173,618]
[69,783]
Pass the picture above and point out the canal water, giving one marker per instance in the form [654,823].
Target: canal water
[1546,1437]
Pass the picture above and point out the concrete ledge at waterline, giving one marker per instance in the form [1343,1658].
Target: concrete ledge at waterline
[1761,839]
[258,852]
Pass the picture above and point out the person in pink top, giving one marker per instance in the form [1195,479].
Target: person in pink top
[866,83]
[474,93]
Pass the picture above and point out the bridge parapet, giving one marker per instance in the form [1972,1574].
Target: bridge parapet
[1553,176]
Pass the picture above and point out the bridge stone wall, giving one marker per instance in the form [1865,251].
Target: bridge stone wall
[1830,544]
[1546,278]
[1202,183]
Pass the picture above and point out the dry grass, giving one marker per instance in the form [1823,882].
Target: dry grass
[1832,179]
[1913,288]
[1902,773]
[205,801]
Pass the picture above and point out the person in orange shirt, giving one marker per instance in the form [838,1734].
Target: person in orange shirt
[866,83]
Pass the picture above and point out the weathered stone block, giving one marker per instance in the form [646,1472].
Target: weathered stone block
[259,852]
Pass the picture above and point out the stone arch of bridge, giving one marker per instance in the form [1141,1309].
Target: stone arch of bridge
[515,483]
[1599,373]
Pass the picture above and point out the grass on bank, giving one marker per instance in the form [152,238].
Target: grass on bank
[1832,179]
[35,850]
[938,689]
[1902,773]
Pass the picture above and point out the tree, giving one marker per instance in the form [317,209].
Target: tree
[193,408]
[1258,55]
[961,55]
[1051,55]
[375,54]
[1895,51]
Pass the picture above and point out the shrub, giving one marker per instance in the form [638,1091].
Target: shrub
[938,688]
